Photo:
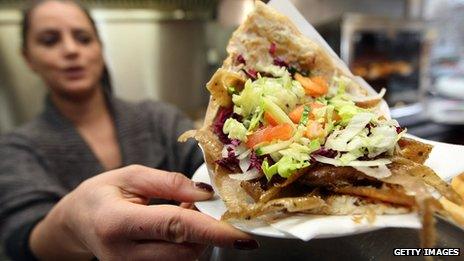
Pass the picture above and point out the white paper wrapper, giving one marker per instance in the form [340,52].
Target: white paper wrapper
[446,160]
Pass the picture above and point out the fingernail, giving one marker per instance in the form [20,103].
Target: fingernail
[204,186]
[246,244]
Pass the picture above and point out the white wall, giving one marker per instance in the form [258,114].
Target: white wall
[130,51]
[22,90]
[151,57]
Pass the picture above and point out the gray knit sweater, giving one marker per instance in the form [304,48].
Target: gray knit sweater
[47,158]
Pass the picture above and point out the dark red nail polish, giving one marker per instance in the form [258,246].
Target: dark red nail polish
[204,186]
[246,244]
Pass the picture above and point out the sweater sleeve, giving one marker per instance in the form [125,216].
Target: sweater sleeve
[27,194]
[169,123]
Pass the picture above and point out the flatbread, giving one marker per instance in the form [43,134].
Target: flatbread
[264,37]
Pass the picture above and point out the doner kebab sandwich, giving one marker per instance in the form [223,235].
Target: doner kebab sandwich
[289,131]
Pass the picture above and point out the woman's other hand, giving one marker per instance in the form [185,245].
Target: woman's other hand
[107,216]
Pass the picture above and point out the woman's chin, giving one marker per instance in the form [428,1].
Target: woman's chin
[76,92]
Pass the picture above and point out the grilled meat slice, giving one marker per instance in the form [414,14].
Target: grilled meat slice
[388,193]
[323,175]
[413,150]
[254,188]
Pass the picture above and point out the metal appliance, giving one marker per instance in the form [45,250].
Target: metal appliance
[389,53]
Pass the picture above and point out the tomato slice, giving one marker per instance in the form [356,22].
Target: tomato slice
[315,86]
[296,114]
[319,88]
[268,134]
[268,117]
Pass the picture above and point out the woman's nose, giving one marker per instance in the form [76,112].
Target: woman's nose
[70,47]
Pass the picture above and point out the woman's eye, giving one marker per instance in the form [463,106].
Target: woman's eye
[49,39]
[83,38]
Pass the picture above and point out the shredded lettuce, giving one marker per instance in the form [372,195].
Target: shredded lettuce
[305,116]
[313,145]
[285,167]
[382,139]
[294,157]
[284,92]
[349,157]
[357,133]
[277,113]
[275,156]
[268,149]
[297,152]
[246,101]
[268,170]
[339,139]
[256,118]
[345,108]
[346,111]
[357,140]
[330,123]
[235,129]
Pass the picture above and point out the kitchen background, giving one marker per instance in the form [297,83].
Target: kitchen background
[167,50]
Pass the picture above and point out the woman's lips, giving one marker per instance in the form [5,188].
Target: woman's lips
[74,72]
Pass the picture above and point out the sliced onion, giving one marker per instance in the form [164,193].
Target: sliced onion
[354,163]
[240,149]
[326,160]
[244,164]
[248,175]
[379,172]
[244,154]
[225,151]
[369,163]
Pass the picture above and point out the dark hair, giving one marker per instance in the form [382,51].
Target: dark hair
[26,22]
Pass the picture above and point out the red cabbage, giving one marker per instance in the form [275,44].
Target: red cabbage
[230,162]
[272,49]
[218,124]
[235,142]
[279,62]
[240,59]
[256,161]
[252,74]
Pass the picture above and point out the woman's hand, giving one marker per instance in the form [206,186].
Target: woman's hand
[107,216]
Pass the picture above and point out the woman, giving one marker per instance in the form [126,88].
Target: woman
[53,205]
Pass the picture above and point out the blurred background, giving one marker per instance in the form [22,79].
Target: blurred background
[168,49]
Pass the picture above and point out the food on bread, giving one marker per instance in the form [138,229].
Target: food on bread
[288,130]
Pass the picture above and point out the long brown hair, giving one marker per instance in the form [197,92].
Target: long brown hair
[26,22]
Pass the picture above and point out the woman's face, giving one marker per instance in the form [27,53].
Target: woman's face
[63,48]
